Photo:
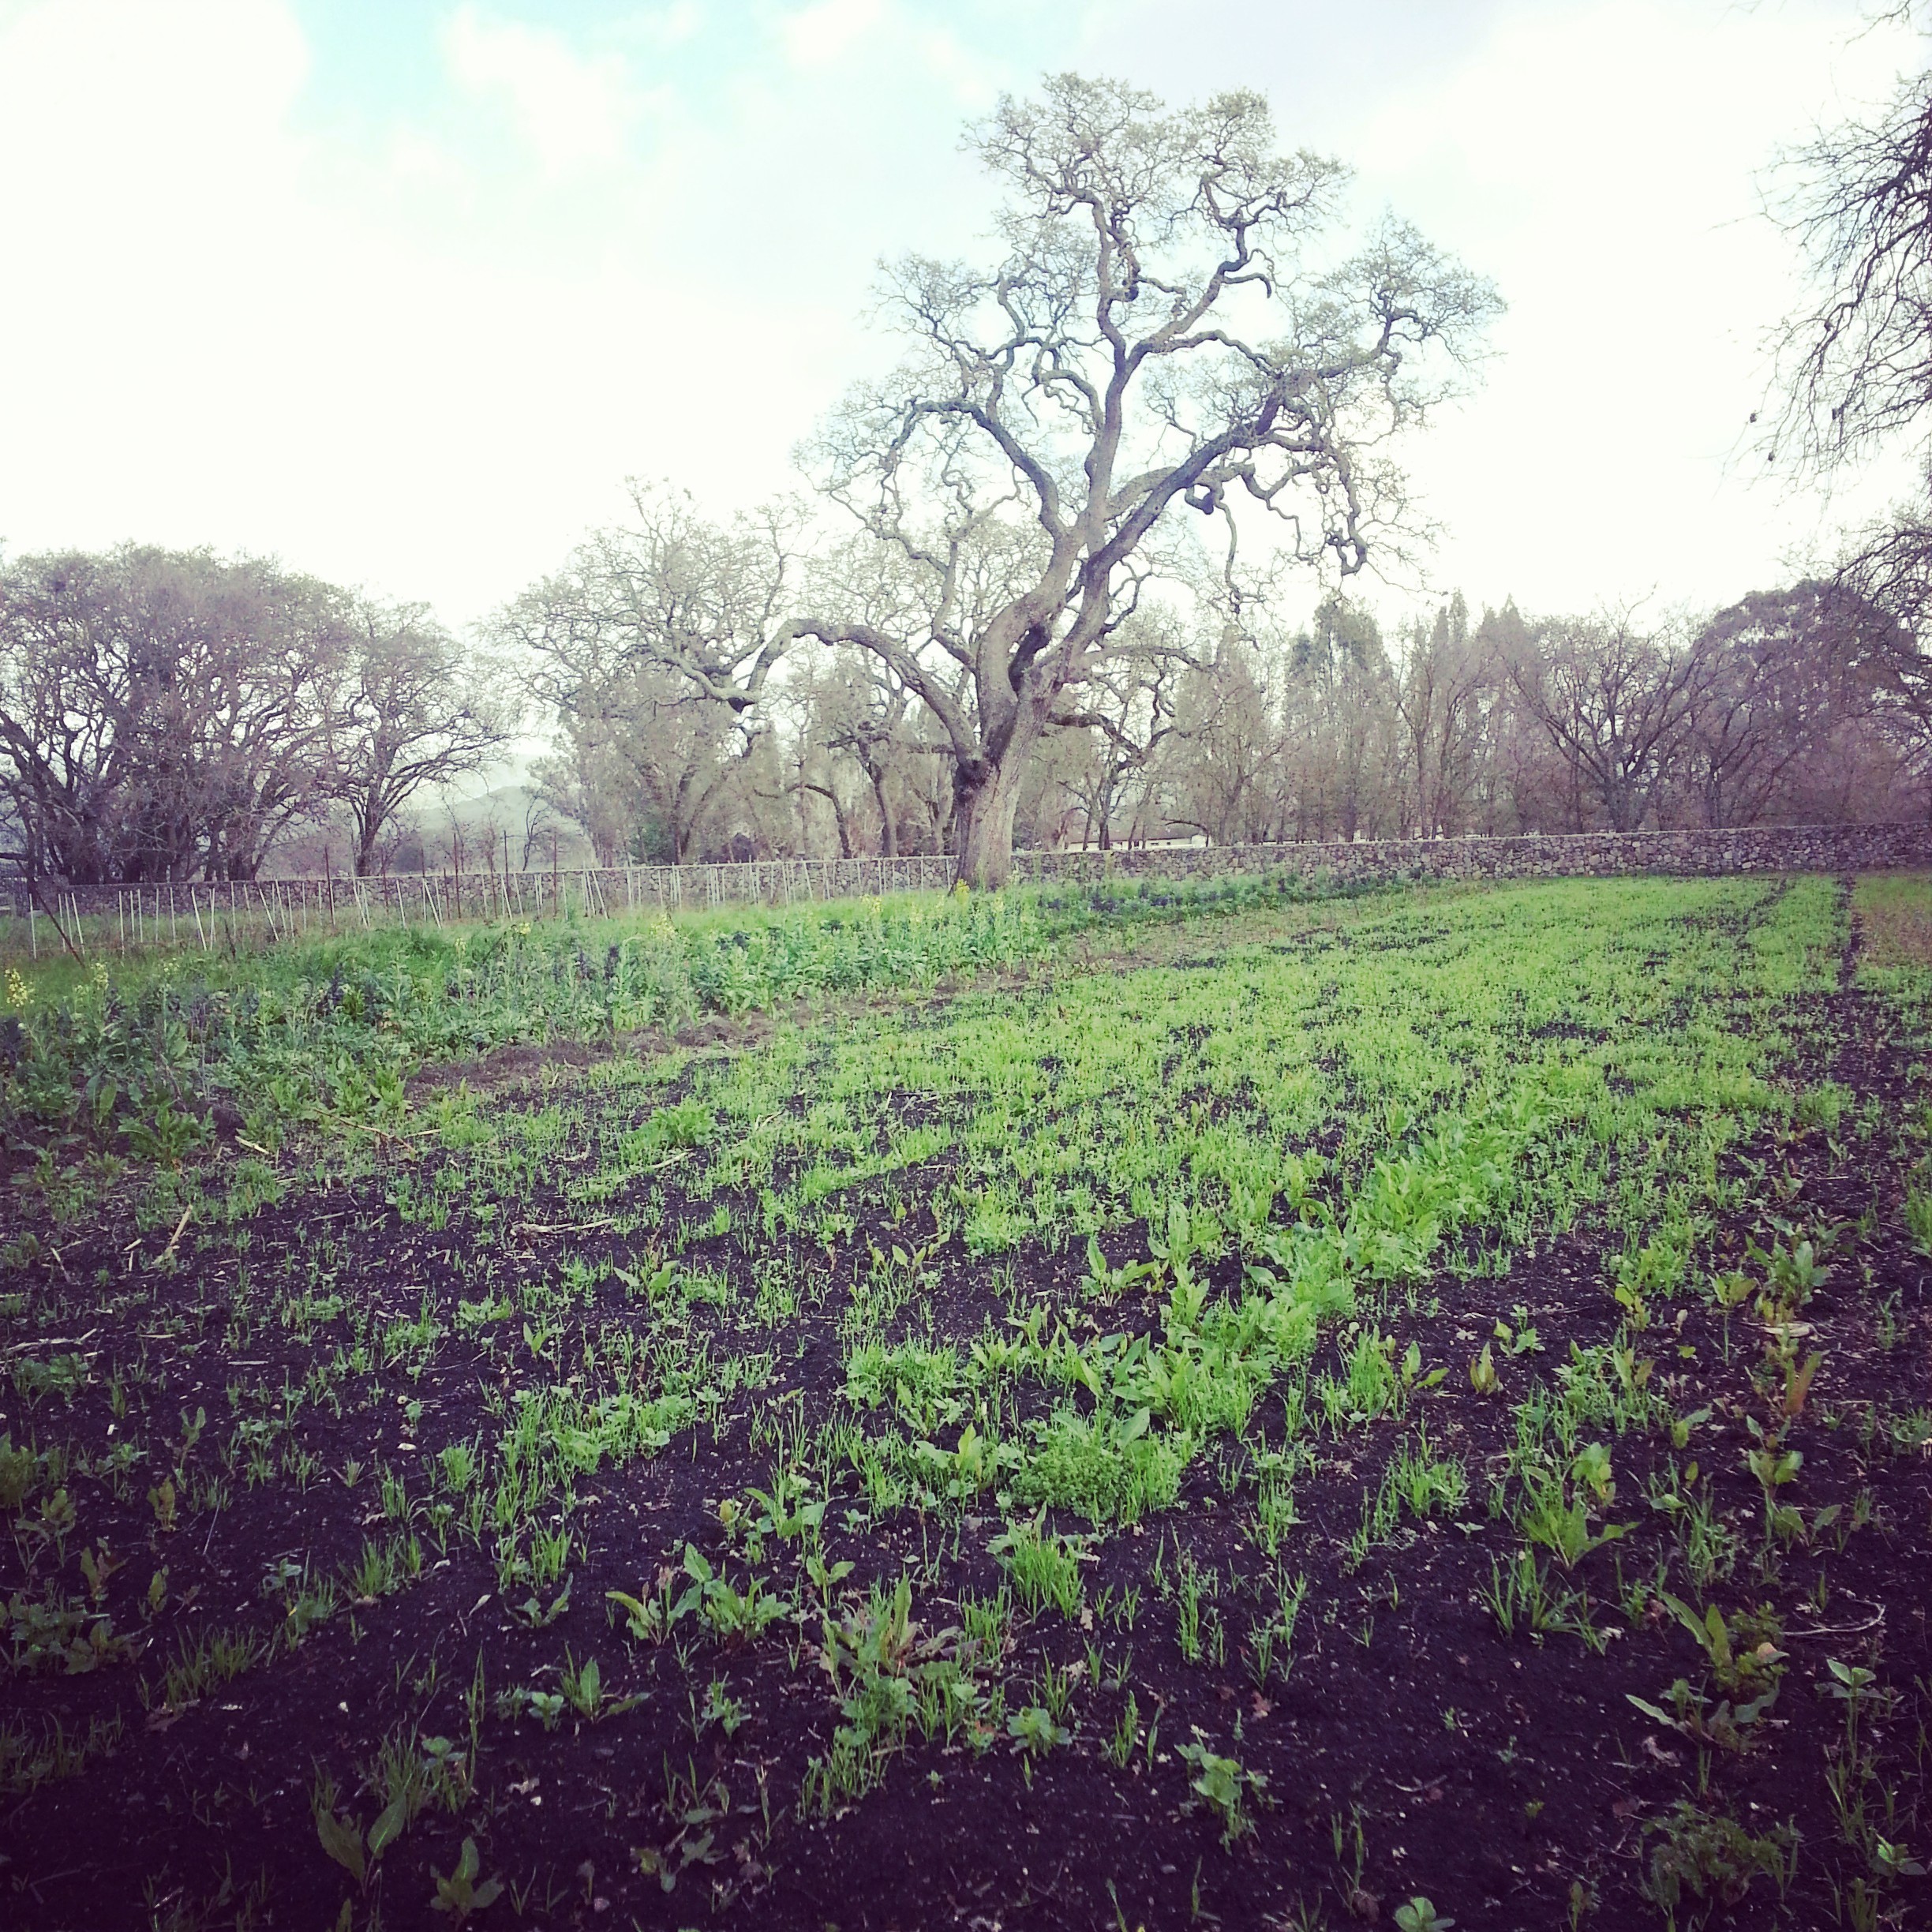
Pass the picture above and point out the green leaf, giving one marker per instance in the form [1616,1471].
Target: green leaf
[388,1827]
[342,1839]
[633,1609]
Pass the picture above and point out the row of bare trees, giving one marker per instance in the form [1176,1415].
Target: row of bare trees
[1786,707]
[168,716]
[1794,707]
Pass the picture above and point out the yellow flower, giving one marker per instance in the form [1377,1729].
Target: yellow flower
[18,992]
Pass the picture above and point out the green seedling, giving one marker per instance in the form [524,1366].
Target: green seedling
[1034,1731]
[1736,1662]
[460,1895]
[1223,1785]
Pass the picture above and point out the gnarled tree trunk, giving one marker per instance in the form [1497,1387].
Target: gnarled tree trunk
[986,794]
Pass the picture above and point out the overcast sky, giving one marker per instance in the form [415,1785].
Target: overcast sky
[402,291]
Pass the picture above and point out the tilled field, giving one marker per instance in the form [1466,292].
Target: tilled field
[1385,1412]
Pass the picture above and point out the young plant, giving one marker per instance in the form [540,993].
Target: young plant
[460,1895]
[1223,1786]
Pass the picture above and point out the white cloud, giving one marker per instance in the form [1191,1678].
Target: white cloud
[974,80]
[572,111]
[111,105]
[673,26]
[814,35]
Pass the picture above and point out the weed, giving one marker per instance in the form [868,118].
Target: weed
[1708,1856]
[1223,1785]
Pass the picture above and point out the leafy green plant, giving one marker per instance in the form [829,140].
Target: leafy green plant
[459,1894]
[1736,1664]
[1223,1785]
[1733,1728]
[1034,1730]
[1105,1282]
[583,1686]
[1418,1914]
[342,1838]
[546,1706]
[1555,1513]
[1708,1856]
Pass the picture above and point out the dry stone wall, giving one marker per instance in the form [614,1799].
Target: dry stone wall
[1837,849]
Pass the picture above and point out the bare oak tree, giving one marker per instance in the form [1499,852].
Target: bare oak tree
[1164,330]
[1856,364]
[655,644]
[162,712]
[1127,713]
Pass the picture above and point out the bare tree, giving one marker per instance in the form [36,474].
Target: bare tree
[866,717]
[1127,715]
[1784,675]
[540,829]
[654,645]
[1881,606]
[672,591]
[1170,327]
[1438,696]
[162,712]
[415,709]
[1159,334]
[1615,701]
[1225,736]
[642,760]
[1856,364]
[1339,726]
